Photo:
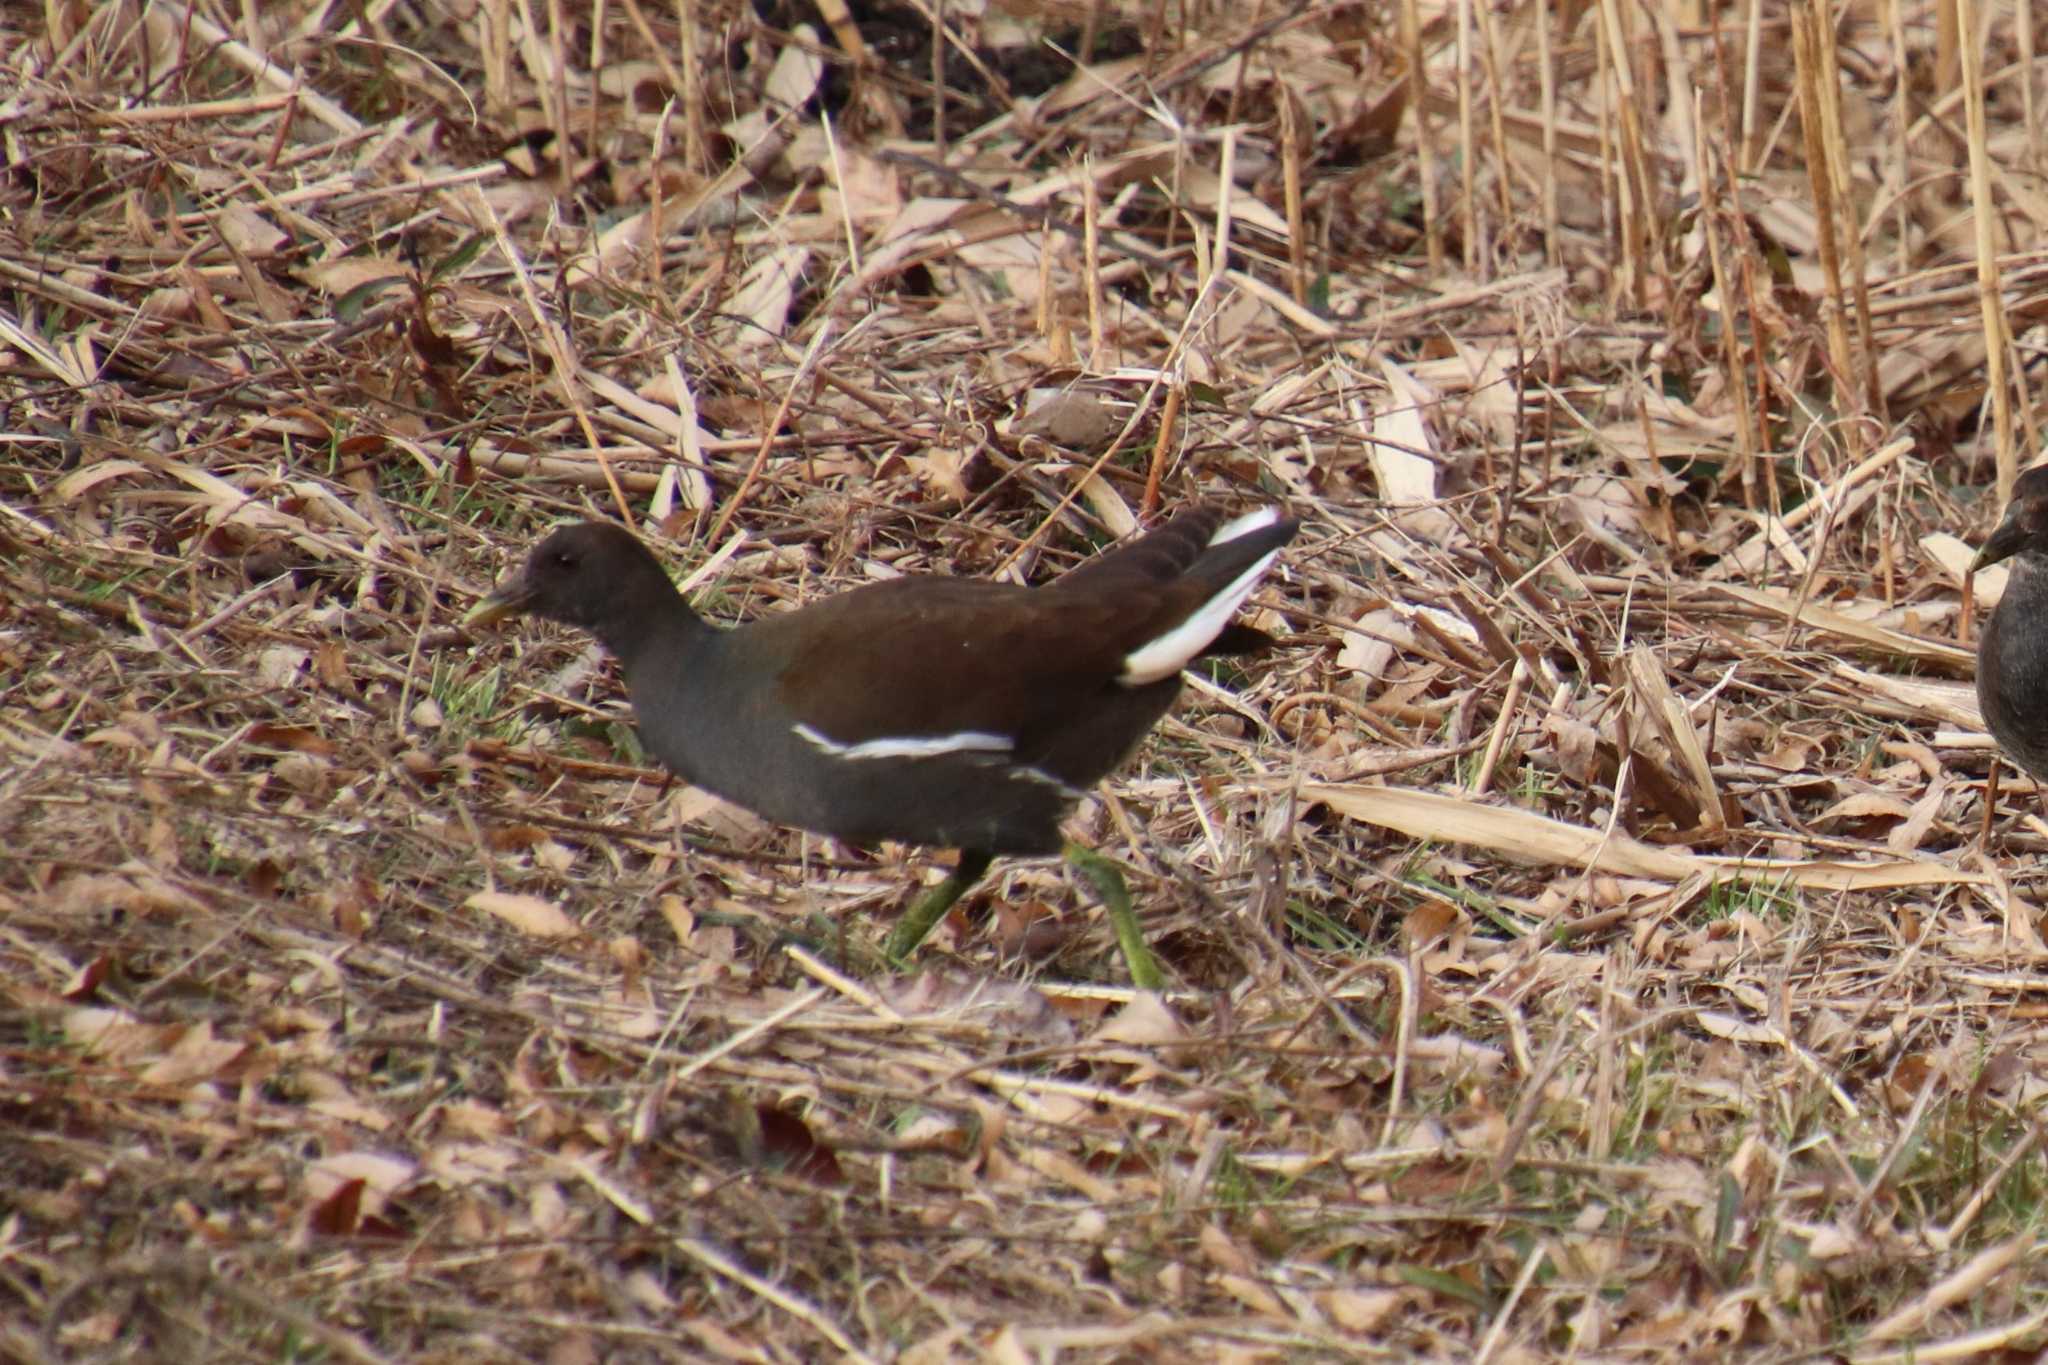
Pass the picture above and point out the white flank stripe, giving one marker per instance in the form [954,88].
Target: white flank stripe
[1045,779]
[1167,655]
[910,746]
[1250,521]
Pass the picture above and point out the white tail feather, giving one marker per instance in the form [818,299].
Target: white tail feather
[1167,655]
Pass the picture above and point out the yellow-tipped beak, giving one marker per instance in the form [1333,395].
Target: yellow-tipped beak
[509,598]
[2002,543]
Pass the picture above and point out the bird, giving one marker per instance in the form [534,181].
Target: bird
[2012,650]
[938,711]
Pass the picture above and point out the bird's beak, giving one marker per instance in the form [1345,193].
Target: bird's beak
[2003,543]
[509,598]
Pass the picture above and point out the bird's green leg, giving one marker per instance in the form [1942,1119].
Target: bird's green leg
[1102,874]
[931,907]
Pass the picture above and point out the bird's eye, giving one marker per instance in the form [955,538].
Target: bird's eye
[565,559]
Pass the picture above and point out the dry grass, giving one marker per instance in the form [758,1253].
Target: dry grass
[1587,941]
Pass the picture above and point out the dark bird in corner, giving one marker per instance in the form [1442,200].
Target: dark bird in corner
[2012,651]
[946,712]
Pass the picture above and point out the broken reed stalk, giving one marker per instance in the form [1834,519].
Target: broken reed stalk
[1294,140]
[1901,127]
[1610,175]
[1752,86]
[1731,347]
[1091,263]
[1546,77]
[1751,418]
[1983,207]
[1634,180]
[1425,134]
[2023,37]
[1162,447]
[938,18]
[1496,99]
[1837,166]
[1807,59]
[555,93]
[1468,165]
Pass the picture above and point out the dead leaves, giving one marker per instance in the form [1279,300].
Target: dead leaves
[528,914]
[1458,1070]
[1524,835]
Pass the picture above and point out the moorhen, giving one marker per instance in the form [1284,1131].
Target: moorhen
[947,712]
[2012,651]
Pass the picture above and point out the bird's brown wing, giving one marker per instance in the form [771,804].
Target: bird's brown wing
[942,656]
[932,657]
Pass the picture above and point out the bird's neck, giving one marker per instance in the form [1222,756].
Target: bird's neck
[649,634]
[2027,572]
